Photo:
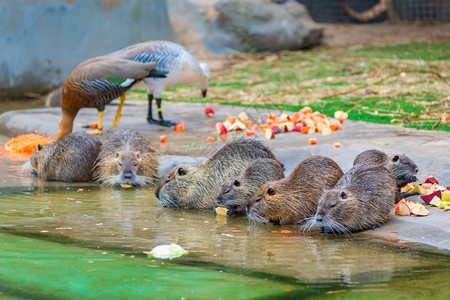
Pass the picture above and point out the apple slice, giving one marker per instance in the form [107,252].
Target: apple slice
[243,116]
[162,138]
[402,209]
[209,111]
[221,211]
[298,127]
[445,195]
[269,134]
[220,128]
[428,198]
[289,126]
[435,201]
[407,188]
[431,179]
[419,210]
[444,204]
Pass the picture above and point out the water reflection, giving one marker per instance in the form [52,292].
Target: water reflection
[133,219]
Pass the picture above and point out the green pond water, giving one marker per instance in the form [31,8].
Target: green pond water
[77,241]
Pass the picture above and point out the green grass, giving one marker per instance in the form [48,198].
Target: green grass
[424,51]
[404,85]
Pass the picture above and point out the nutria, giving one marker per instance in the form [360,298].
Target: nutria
[401,166]
[197,186]
[126,159]
[362,199]
[235,192]
[54,98]
[70,159]
[293,199]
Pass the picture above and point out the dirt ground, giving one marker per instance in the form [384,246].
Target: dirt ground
[348,35]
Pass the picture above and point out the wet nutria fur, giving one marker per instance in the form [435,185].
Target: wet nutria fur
[71,159]
[235,192]
[126,158]
[293,199]
[197,186]
[362,199]
[401,166]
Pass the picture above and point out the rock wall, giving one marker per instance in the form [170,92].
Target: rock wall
[41,41]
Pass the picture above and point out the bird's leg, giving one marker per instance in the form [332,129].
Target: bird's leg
[162,122]
[118,112]
[99,126]
[150,114]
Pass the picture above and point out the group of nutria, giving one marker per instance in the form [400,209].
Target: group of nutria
[124,159]
[244,176]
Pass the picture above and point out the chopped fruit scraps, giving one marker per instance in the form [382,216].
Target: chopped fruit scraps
[431,192]
[26,143]
[337,145]
[163,138]
[312,141]
[221,211]
[406,208]
[179,127]
[209,111]
[210,139]
[305,121]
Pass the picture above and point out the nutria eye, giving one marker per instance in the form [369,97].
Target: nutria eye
[270,191]
[334,205]
[257,200]
[135,164]
[181,172]
[395,158]
[343,195]
[120,164]
[237,183]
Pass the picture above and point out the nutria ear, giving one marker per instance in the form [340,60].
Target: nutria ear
[270,192]
[117,154]
[395,158]
[236,183]
[138,154]
[39,147]
[181,171]
[343,195]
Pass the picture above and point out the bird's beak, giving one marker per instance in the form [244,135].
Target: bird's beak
[204,93]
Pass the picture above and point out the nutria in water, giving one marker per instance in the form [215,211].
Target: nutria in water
[71,159]
[235,192]
[197,186]
[293,199]
[362,199]
[126,159]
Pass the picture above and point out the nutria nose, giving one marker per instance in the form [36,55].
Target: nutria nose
[219,200]
[128,175]
[319,218]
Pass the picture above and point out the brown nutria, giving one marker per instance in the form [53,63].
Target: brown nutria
[362,199]
[401,166]
[126,159]
[235,192]
[71,159]
[197,186]
[293,199]
[54,98]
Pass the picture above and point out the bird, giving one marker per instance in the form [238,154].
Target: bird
[179,63]
[95,83]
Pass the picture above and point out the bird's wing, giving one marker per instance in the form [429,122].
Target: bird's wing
[166,54]
[105,67]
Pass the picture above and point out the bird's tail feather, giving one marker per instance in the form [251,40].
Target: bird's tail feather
[158,73]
